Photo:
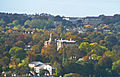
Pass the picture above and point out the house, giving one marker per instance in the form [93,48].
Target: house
[35,63]
[38,66]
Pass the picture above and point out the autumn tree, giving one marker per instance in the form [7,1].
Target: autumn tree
[14,63]
[31,55]
[97,49]
[36,49]
[116,66]
[85,46]
[50,51]
[20,44]
[59,29]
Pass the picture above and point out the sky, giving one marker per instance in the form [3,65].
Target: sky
[73,8]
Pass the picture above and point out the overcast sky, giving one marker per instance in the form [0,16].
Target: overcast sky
[62,7]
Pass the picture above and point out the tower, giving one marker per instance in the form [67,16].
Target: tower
[51,38]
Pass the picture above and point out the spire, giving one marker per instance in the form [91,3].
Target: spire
[50,39]
[51,36]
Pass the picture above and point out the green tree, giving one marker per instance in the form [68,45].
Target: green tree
[59,70]
[105,62]
[59,29]
[20,44]
[15,22]
[27,22]
[31,55]
[36,49]
[85,46]
[17,52]
[2,22]
[43,72]
[97,49]
[111,40]
[116,66]
[116,49]
[23,70]
[112,55]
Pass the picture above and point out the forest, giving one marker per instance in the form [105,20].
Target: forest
[22,40]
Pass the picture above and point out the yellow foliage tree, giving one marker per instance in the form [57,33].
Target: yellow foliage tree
[87,26]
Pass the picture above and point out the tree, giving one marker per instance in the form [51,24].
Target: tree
[116,49]
[43,72]
[4,62]
[10,25]
[91,29]
[38,23]
[72,51]
[14,63]
[2,22]
[23,70]
[111,40]
[116,66]
[31,55]
[103,67]
[95,37]
[105,62]
[0,70]
[82,68]
[58,18]
[59,70]
[64,58]
[36,49]
[99,71]
[17,52]
[87,26]
[51,52]
[27,22]
[15,22]
[59,29]
[97,49]
[84,46]
[20,44]
[112,55]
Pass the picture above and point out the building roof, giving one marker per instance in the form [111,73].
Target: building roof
[66,41]
[40,66]
[36,63]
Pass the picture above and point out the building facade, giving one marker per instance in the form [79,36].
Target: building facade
[59,43]
[38,66]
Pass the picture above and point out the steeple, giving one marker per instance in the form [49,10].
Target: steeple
[50,39]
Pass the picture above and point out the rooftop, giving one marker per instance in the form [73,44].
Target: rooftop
[67,41]
[36,62]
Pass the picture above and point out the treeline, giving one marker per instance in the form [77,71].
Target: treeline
[35,21]
[7,18]
[110,19]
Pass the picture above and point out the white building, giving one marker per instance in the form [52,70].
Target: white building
[35,63]
[59,43]
[40,66]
